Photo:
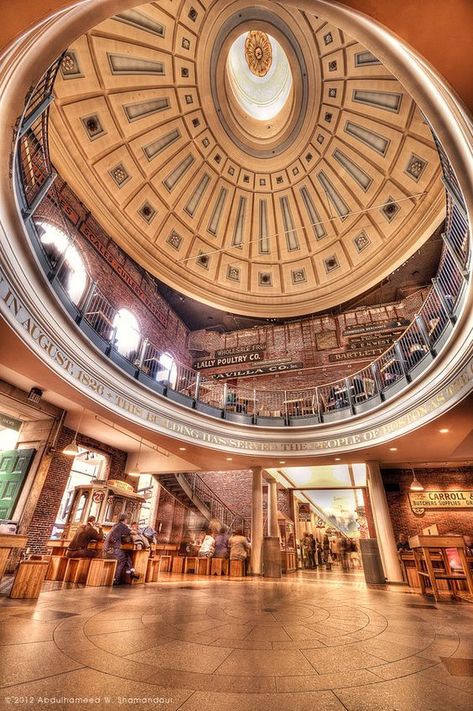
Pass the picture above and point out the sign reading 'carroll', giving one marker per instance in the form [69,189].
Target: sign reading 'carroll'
[422,500]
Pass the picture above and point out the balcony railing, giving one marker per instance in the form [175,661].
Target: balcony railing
[389,373]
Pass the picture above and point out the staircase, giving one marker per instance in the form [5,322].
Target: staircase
[195,494]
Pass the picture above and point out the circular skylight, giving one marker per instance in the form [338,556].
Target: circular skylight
[262,97]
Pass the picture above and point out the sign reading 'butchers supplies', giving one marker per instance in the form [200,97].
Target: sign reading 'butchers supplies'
[431,500]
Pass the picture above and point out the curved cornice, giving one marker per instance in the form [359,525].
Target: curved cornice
[34,312]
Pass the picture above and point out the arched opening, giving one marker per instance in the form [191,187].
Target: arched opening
[126,334]
[167,372]
[64,255]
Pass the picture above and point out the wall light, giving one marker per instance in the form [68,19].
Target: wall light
[72,449]
[415,484]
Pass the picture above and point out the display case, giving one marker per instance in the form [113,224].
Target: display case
[287,541]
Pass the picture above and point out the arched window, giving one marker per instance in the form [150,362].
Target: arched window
[127,334]
[167,369]
[59,249]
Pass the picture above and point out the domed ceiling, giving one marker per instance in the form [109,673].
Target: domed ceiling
[253,157]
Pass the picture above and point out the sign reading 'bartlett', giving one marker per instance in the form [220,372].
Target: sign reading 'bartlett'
[430,500]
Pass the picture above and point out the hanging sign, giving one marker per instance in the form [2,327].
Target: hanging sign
[354,355]
[262,370]
[304,512]
[396,325]
[219,361]
[240,350]
[421,501]
[121,486]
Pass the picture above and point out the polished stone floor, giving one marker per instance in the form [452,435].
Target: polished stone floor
[319,641]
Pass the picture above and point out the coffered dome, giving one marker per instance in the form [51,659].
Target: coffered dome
[253,157]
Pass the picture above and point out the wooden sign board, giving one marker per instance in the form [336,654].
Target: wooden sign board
[240,350]
[422,501]
[218,362]
[262,370]
[354,355]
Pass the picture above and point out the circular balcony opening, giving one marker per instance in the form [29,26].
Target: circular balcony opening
[259,75]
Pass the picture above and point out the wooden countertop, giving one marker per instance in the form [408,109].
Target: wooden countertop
[12,540]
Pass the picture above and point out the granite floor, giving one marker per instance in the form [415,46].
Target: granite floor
[312,641]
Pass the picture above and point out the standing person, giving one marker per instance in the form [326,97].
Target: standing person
[305,549]
[85,534]
[326,549]
[345,551]
[239,546]
[120,533]
[221,543]
[207,548]
[312,550]
[354,558]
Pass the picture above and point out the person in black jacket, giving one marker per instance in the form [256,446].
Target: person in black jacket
[85,534]
[120,533]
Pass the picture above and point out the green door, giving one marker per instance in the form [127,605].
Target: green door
[14,465]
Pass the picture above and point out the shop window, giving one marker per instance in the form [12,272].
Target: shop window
[61,250]
[127,334]
[167,372]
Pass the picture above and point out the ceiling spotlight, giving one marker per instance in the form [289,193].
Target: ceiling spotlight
[444,430]
[393,449]
[415,484]
[338,459]
[72,449]
[182,449]
[229,459]
[282,461]
[136,469]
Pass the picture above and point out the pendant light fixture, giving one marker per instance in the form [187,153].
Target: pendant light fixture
[72,449]
[135,471]
[415,484]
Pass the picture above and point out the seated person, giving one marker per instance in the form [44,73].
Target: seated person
[207,548]
[403,544]
[137,537]
[85,534]
[112,548]
[416,352]
[221,543]
[239,546]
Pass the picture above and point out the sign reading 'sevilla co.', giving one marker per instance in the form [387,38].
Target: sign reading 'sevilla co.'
[431,500]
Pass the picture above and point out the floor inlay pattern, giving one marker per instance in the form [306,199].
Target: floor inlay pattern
[307,641]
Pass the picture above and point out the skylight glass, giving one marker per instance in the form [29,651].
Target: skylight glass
[262,97]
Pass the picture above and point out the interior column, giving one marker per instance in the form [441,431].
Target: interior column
[383,524]
[257,522]
[273,508]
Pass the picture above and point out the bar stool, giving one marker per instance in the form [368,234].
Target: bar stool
[165,562]
[101,572]
[57,568]
[152,570]
[177,564]
[29,578]
[219,566]
[190,564]
[237,569]
[77,570]
[203,566]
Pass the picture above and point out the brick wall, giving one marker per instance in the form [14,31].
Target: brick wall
[233,488]
[166,330]
[42,521]
[458,521]
[310,341]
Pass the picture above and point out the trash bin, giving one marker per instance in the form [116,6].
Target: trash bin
[271,557]
[372,565]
